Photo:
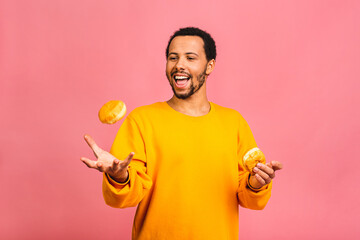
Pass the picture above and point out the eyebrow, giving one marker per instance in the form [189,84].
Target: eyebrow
[188,53]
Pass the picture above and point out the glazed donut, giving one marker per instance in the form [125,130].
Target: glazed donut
[112,111]
[253,157]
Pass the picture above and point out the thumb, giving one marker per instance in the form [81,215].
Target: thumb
[276,165]
[128,159]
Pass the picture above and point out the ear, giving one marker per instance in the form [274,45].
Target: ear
[210,66]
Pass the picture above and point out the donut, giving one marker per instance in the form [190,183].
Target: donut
[112,111]
[253,157]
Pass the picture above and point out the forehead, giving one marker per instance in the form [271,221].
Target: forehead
[184,44]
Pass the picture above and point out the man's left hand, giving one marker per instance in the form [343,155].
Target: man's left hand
[264,173]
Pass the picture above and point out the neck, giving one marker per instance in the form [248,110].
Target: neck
[195,105]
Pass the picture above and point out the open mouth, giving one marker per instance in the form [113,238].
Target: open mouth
[181,81]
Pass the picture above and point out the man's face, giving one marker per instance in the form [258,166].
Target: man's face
[186,66]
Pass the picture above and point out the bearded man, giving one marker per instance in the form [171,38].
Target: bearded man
[184,171]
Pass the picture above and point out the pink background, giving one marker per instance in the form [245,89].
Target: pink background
[290,67]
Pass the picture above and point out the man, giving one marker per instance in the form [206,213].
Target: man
[184,170]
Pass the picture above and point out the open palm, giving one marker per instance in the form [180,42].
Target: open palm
[106,162]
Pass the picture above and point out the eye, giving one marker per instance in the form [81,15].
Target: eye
[172,58]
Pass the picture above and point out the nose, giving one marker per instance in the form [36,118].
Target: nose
[180,64]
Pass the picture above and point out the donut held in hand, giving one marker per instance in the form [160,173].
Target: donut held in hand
[253,157]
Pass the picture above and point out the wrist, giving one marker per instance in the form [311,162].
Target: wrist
[121,179]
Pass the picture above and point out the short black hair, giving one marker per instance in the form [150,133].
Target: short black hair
[209,43]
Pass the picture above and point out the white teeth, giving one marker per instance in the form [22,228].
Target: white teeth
[180,77]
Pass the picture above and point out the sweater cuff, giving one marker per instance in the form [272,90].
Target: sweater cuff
[115,183]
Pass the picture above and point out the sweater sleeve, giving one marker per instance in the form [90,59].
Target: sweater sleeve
[248,198]
[130,193]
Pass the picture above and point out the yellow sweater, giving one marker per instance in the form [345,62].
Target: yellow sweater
[186,174]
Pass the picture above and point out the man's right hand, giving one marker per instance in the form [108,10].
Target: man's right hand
[106,162]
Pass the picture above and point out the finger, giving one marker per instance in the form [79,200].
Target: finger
[90,141]
[260,179]
[127,160]
[263,175]
[115,164]
[88,162]
[100,167]
[267,169]
[276,165]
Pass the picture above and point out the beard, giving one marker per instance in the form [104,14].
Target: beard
[193,89]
